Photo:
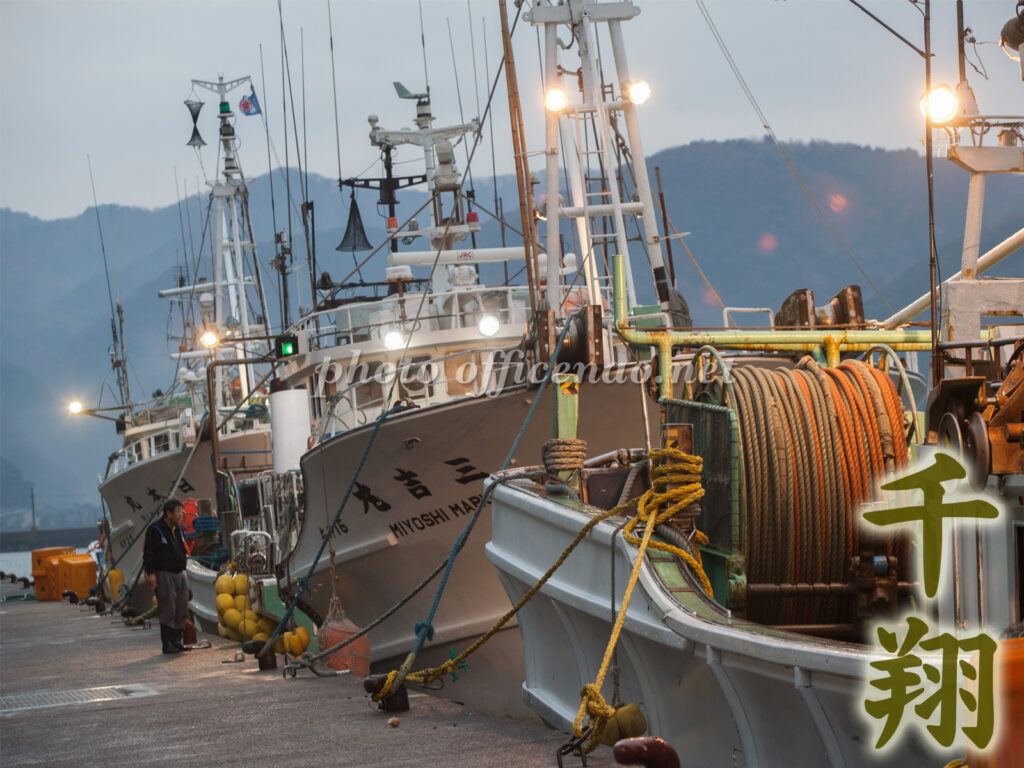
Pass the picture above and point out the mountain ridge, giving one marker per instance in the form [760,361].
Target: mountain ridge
[754,232]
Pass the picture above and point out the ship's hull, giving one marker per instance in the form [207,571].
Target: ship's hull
[391,534]
[134,495]
[721,691]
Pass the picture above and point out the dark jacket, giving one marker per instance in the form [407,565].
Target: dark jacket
[164,549]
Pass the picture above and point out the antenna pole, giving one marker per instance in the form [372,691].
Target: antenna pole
[929,165]
[961,56]
[423,47]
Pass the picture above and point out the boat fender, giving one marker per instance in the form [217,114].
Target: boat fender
[627,722]
[396,701]
[648,752]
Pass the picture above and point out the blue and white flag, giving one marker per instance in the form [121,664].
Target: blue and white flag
[249,105]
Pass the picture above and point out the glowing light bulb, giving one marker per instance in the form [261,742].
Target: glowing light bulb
[488,325]
[639,92]
[393,340]
[555,100]
[209,339]
[940,103]
[74,407]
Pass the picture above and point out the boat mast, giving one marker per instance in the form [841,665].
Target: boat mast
[581,16]
[233,244]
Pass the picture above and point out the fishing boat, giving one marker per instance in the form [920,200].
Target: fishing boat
[723,581]
[167,451]
[418,394]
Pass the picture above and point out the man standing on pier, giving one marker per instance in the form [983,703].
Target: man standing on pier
[163,560]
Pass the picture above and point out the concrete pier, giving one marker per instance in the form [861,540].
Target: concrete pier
[192,709]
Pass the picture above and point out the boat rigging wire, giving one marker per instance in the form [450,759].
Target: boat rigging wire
[462,118]
[906,42]
[490,131]
[334,87]
[472,51]
[116,316]
[778,145]
[181,223]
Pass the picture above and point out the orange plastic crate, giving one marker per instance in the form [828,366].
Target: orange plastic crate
[39,557]
[44,588]
[77,573]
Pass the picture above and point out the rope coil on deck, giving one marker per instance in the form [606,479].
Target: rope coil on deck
[563,454]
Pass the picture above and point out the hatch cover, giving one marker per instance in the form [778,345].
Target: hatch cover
[40,699]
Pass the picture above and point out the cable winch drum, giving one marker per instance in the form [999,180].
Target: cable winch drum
[787,463]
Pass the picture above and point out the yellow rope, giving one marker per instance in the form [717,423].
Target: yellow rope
[430,674]
[669,467]
[669,472]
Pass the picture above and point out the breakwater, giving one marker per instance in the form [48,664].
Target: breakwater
[22,541]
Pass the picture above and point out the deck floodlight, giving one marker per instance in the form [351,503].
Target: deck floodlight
[555,100]
[209,339]
[74,407]
[286,345]
[488,325]
[639,92]
[394,340]
[1011,38]
[940,104]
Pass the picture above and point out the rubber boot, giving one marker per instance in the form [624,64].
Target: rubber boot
[167,638]
[177,639]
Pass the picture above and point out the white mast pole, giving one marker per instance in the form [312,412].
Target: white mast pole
[643,185]
[553,247]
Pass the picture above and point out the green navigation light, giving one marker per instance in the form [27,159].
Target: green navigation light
[286,345]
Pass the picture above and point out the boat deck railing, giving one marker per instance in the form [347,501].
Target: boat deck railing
[143,449]
[420,382]
[461,308]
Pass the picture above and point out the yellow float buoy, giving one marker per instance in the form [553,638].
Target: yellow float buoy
[303,634]
[224,585]
[242,603]
[232,618]
[267,625]
[224,603]
[241,584]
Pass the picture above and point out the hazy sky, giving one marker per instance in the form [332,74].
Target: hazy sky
[107,79]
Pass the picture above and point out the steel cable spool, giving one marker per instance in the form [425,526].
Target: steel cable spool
[814,444]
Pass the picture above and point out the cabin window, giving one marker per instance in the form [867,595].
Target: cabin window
[417,379]
[137,451]
[161,443]
[462,373]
